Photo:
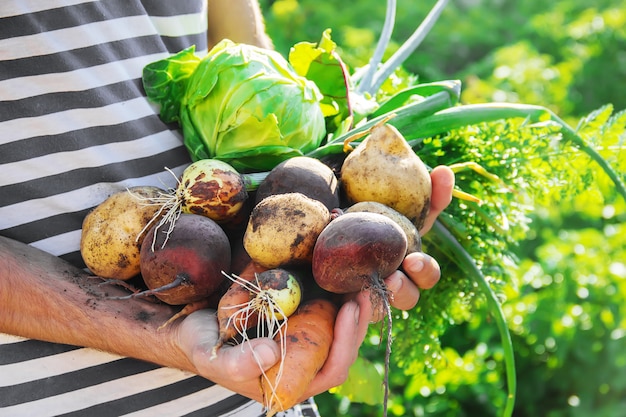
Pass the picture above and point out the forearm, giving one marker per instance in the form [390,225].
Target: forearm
[238,20]
[43,297]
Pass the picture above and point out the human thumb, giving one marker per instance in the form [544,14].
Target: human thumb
[250,358]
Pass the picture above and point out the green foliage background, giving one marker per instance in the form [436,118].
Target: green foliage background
[565,289]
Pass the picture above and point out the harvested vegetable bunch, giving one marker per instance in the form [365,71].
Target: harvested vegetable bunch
[241,104]
[223,107]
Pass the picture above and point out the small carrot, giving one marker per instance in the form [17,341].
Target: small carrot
[307,342]
[237,295]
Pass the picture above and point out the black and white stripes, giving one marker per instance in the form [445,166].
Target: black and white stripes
[67,381]
[74,123]
[74,128]
[42,379]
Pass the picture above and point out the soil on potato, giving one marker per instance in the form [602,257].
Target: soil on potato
[265,215]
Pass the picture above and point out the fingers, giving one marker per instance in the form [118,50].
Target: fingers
[235,367]
[422,269]
[404,294]
[245,361]
[420,272]
[442,179]
[198,332]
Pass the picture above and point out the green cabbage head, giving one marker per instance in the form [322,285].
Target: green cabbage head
[240,104]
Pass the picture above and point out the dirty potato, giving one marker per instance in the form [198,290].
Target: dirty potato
[283,228]
[112,232]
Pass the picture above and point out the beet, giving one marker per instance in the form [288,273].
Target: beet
[189,266]
[302,174]
[357,250]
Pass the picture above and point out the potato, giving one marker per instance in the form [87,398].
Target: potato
[112,232]
[385,169]
[283,228]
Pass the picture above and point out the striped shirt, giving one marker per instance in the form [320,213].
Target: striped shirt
[75,127]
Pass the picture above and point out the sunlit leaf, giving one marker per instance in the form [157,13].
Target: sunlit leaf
[364,384]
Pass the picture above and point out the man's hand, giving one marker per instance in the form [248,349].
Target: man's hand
[237,368]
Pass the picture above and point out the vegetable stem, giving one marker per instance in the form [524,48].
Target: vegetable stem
[390,17]
[455,250]
[424,89]
[407,47]
[404,116]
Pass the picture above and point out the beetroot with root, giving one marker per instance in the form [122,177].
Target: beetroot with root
[189,267]
[357,251]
